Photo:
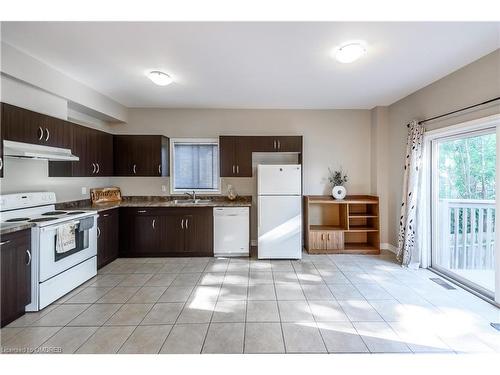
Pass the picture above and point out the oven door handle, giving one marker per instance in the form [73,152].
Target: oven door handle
[54,227]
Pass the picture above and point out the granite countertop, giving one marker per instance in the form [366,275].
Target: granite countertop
[6,228]
[156,201]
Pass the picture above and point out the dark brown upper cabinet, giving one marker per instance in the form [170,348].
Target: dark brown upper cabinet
[236,151]
[95,150]
[15,251]
[22,125]
[277,143]
[141,155]
[235,156]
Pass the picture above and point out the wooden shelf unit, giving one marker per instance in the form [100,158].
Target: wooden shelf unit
[347,226]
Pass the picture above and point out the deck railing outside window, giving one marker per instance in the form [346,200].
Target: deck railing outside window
[470,241]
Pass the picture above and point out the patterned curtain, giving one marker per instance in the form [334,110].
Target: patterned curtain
[408,252]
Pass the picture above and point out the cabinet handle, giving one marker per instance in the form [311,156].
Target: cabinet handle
[134,169]
[328,236]
[141,211]
[182,223]
[105,215]
[29,257]
[1,164]
[98,168]
[93,168]
[48,135]
[4,242]
[274,144]
[187,223]
[41,133]
[98,232]
[322,236]
[237,169]
[233,168]
[279,145]
[153,222]
[159,169]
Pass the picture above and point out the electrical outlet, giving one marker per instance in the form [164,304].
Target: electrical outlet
[84,190]
[164,188]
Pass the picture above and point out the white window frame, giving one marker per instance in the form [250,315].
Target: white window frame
[173,141]
[429,227]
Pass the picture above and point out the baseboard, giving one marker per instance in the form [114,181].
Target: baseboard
[388,246]
[383,246]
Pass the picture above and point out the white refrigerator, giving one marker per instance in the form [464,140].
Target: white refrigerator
[279,209]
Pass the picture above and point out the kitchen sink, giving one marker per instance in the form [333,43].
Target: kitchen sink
[192,201]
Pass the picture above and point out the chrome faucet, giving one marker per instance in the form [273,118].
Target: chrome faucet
[192,195]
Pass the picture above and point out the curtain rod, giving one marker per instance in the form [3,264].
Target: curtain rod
[460,110]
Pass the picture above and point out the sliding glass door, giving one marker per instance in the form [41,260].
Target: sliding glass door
[463,208]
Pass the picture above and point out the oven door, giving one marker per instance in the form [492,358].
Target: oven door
[53,263]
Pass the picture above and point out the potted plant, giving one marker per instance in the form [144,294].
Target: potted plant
[337,180]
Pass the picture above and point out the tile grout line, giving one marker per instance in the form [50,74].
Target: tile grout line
[279,311]
[309,305]
[211,316]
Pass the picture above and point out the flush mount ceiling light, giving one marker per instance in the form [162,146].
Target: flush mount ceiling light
[159,78]
[350,52]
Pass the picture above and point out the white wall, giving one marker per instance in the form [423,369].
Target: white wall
[32,175]
[21,66]
[474,83]
[332,138]
[380,165]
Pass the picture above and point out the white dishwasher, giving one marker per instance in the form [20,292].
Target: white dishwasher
[231,231]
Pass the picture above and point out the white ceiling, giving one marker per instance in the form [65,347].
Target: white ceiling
[253,65]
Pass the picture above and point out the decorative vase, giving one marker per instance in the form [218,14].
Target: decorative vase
[231,193]
[339,192]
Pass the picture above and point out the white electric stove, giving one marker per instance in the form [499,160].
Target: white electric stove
[53,274]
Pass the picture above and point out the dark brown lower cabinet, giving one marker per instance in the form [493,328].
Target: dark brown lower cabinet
[170,231]
[107,237]
[189,231]
[15,252]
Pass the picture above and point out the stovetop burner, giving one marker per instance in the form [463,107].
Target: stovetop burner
[40,219]
[53,213]
[16,219]
[75,212]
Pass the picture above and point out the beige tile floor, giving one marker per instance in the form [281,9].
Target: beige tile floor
[321,304]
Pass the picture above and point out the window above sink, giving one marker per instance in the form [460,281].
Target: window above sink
[194,166]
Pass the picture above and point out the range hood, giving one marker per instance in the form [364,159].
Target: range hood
[30,151]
